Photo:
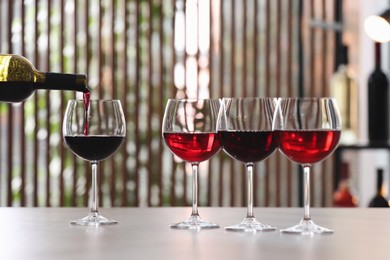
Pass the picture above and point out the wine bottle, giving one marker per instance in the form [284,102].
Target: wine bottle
[378,201]
[378,103]
[344,89]
[19,79]
[345,195]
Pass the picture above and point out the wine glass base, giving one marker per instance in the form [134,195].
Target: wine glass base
[250,225]
[194,223]
[307,227]
[93,219]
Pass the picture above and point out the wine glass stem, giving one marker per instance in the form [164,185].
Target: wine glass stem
[94,195]
[306,194]
[249,213]
[195,167]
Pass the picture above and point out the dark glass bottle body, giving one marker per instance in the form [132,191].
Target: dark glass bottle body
[378,201]
[378,103]
[19,79]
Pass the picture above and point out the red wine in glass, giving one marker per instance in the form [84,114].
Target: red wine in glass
[189,131]
[308,131]
[193,147]
[308,146]
[94,144]
[248,146]
[94,148]
[245,129]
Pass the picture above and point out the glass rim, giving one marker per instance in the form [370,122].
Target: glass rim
[307,98]
[94,100]
[249,98]
[193,99]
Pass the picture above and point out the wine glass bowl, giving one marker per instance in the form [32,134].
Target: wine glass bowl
[94,130]
[308,132]
[308,146]
[245,129]
[189,131]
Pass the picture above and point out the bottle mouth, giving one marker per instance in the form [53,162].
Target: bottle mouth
[86,89]
[82,81]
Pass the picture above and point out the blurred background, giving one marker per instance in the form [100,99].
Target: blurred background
[144,52]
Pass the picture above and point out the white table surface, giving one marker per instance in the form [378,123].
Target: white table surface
[144,233]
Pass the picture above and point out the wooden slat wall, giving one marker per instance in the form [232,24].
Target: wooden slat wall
[135,51]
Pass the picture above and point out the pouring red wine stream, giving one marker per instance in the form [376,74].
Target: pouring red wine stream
[86,100]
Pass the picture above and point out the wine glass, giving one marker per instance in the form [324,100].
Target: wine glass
[245,129]
[308,132]
[189,130]
[94,130]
